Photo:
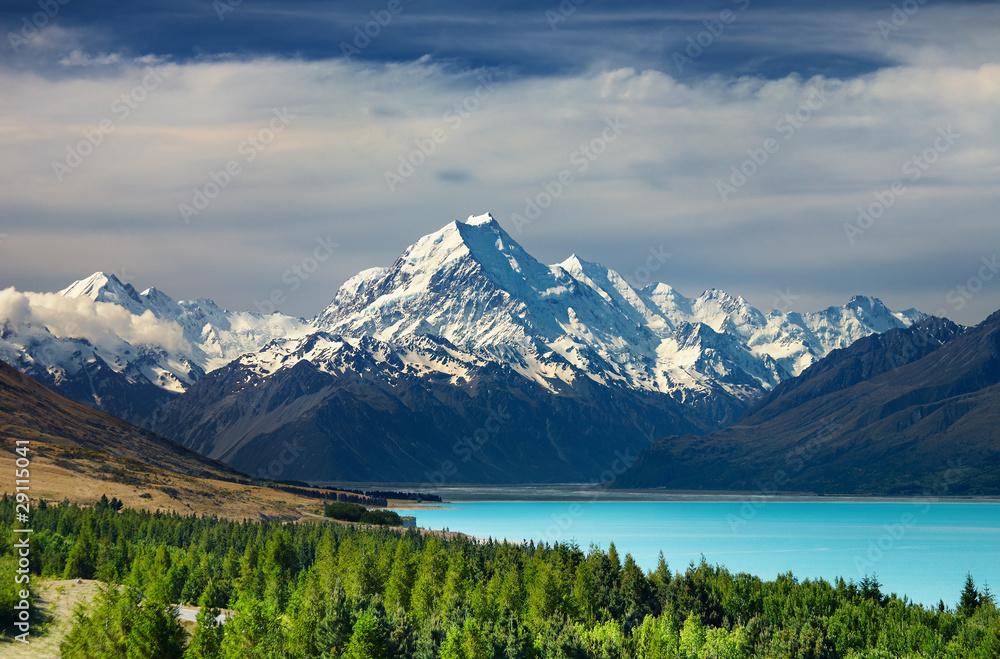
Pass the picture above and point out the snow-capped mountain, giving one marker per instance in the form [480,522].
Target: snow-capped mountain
[471,284]
[103,344]
[215,336]
[407,360]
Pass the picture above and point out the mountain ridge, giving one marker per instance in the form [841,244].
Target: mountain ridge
[465,320]
[906,412]
[30,411]
[403,360]
[102,344]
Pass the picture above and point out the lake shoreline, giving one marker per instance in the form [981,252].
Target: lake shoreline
[588,492]
[921,547]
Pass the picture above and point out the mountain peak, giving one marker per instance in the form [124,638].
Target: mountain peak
[716,294]
[483,239]
[104,287]
[477,220]
[161,304]
[865,302]
[154,294]
[92,286]
[480,235]
[575,265]
[660,288]
[416,294]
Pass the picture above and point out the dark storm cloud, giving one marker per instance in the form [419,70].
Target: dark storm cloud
[747,36]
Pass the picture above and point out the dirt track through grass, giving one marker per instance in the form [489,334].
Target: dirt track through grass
[56,600]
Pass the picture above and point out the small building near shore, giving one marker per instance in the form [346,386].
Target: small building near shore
[409,522]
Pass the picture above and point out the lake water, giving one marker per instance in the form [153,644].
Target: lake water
[919,549]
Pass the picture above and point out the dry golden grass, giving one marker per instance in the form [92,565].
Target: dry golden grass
[29,411]
[81,476]
[56,600]
[78,454]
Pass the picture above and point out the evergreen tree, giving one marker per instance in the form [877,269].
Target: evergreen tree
[279,565]
[305,611]
[100,632]
[614,561]
[661,575]
[452,647]
[251,580]
[547,596]
[585,595]
[206,642]
[156,631]
[871,589]
[335,628]
[656,638]
[430,580]
[401,578]
[80,564]
[254,632]
[692,638]
[368,640]
[474,641]
[969,601]
[605,640]
[512,595]
[635,589]
[121,624]
[456,581]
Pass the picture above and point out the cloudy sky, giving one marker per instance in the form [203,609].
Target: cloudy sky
[794,153]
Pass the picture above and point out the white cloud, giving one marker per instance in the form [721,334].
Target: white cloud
[83,318]
[80,58]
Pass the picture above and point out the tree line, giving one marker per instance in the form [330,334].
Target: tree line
[352,512]
[325,590]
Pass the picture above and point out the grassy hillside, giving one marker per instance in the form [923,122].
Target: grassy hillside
[78,454]
[30,411]
[82,475]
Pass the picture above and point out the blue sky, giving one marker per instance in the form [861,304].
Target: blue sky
[834,112]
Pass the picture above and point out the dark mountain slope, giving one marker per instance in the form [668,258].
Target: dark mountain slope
[377,421]
[910,410]
[862,360]
[30,411]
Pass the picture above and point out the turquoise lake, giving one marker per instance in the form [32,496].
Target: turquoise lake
[919,549]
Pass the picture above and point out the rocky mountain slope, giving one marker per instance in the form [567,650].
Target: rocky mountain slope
[101,343]
[405,369]
[911,411]
[30,411]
